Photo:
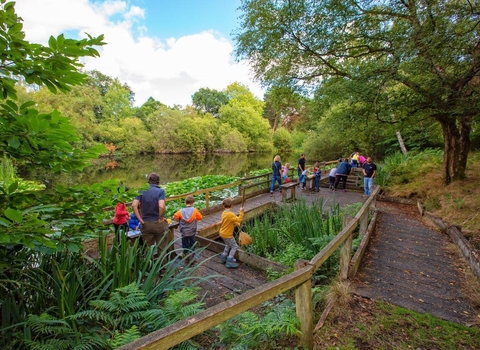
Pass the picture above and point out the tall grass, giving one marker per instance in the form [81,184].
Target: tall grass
[399,168]
[65,283]
[299,231]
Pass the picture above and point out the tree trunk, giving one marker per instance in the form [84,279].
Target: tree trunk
[402,144]
[456,136]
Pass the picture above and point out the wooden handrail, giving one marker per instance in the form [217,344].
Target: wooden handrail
[299,279]
[187,328]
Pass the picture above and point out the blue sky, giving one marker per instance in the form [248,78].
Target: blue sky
[165,49]
[175,18]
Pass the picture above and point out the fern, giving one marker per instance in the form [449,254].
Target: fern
[128,336]
[46,332]
[251,331]
[127,314]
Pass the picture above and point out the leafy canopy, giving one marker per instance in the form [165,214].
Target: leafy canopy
[415,57]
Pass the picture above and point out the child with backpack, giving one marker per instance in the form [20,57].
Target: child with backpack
[187,218]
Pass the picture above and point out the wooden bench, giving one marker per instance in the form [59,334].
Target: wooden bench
[286,188]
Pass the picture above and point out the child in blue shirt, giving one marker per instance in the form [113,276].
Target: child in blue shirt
[303,179]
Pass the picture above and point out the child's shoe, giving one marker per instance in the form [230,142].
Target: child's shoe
[223,259]
[231,263]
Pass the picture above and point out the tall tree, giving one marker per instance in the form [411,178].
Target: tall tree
[428,50]
[244,113]
[209,100]
[282,107]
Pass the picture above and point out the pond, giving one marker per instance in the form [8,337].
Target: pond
[132,170]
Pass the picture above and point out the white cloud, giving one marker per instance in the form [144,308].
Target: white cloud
[169,71]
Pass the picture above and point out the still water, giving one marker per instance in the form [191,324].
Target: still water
[132,170]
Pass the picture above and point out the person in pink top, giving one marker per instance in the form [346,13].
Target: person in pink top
[361,160]
[286,168]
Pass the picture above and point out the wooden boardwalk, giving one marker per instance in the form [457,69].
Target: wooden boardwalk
[228,283]
[409,265]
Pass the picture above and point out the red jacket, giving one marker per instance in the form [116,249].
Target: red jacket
[121,214]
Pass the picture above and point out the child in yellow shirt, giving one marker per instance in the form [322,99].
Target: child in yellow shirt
[229,221]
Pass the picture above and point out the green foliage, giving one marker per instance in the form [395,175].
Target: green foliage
[244,113]
[126,316]
[66,283]
[287,234]
[198,183]
[398,167]
[283,107]
[390,70]
[209,100]
[282,140]
[25,134]
[275,322]
[231,140]
[47,332]
[294,229]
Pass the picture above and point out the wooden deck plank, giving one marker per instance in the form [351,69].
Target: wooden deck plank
[231,282]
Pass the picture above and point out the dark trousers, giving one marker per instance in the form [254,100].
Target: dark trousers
[120,229]
[331,179]
[187,244]
[342,177]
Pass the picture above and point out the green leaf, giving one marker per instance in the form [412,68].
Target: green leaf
[72,247]
[14,142]
[52,43]
[13,187]
[14,215]
[4,222]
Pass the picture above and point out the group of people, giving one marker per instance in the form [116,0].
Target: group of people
[342,170]
[149,216]
[336,175]
[280,172]
[149,208]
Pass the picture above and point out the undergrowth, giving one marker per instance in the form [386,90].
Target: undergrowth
[271,325]
[419,176]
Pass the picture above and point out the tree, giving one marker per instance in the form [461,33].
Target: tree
[25,134]
[244,113]
[28,136]
[426,53]
[282,107]
[147,109]
[209,100]
[117,98]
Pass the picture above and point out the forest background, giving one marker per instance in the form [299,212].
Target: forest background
[232,120]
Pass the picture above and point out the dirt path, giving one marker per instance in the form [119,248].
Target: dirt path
[408,264]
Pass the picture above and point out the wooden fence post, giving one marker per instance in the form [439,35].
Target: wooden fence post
[304,307]
[345,251]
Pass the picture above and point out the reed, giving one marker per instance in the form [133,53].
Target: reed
[295,227]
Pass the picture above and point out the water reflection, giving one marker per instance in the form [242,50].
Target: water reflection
[132,171]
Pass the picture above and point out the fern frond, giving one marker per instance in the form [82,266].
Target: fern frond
[47,325]
[97,315]
[126,337]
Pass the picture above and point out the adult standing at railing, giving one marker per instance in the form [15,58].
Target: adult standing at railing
[301,165]
[369,172]
[276,174]
[154,227]
[343,170]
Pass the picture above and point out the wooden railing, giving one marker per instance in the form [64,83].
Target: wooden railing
[300,279]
